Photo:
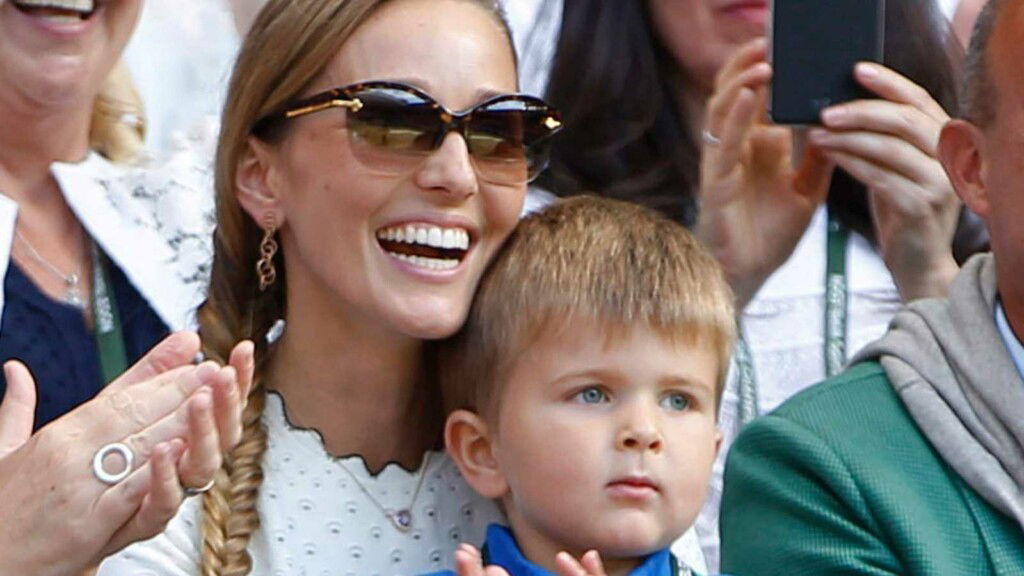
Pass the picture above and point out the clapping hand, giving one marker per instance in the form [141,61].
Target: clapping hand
[176,419]
[469,562]
[588,565]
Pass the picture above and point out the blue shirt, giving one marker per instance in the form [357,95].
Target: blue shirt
[53,340]
[1013,344]
[503,551]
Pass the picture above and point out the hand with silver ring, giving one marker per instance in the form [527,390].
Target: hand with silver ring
[99,461]
[708,138]
[111,471]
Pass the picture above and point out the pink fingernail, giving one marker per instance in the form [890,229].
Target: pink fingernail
[866,70]
[833,115]
[206,369]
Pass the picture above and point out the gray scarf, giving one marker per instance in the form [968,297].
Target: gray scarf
[949,364]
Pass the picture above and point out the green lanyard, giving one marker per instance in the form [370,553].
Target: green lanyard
[107,318]
[836,310]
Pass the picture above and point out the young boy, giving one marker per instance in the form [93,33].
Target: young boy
[584,388]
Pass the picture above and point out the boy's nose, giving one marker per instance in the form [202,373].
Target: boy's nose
[640,434]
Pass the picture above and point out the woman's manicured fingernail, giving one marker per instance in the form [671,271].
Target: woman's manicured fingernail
[866,70]
[833,116]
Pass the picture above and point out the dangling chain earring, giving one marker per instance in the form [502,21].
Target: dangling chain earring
[268,249]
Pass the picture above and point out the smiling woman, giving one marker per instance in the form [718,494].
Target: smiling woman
[70,244]
[373,158]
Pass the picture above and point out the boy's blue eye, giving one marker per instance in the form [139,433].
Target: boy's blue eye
[592,395]
[676,401]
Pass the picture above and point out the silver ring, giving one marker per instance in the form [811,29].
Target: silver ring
[709,138]
[189,491]
[101,455]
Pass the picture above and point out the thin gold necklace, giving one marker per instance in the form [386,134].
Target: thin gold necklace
[72,281]
[401,518]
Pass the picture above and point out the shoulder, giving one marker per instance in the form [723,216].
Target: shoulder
[843,465]
[844,426]
[842,400]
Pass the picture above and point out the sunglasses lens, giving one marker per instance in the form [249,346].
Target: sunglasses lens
[393,130]
[507,139]
[395,127]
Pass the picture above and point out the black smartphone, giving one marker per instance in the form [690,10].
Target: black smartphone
[814,46]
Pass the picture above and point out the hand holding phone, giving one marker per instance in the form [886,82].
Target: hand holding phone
[813,49]
[756,198]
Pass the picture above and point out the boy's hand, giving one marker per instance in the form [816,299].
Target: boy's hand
[589,565]
[469,562]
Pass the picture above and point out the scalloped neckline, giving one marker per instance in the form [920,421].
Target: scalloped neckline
[314,436]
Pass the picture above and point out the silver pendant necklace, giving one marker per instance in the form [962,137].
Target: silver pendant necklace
[401,519]
[72,288]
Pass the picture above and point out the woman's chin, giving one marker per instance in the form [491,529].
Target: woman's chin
[433,323]
[425,313]
[436,329]
[55,82]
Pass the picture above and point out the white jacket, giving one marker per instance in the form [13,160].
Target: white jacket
[155,223]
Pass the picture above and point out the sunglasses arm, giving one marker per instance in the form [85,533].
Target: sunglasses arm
[354,105]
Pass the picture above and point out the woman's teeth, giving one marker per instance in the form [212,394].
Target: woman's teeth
[58,10]
[426,246]
[433,236]
[428,263]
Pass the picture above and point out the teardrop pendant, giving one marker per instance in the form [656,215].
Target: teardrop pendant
[402,519]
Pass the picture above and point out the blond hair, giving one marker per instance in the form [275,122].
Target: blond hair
[287,48]
[118,126]
[618,263]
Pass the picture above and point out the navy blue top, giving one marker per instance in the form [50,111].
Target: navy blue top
[52,339]
[503,551]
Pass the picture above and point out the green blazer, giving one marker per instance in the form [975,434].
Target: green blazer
[839,480]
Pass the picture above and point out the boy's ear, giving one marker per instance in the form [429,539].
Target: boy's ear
[961,154]
[471,446]
[254,183]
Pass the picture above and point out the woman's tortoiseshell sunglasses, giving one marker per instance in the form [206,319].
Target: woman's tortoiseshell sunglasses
[392,127]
